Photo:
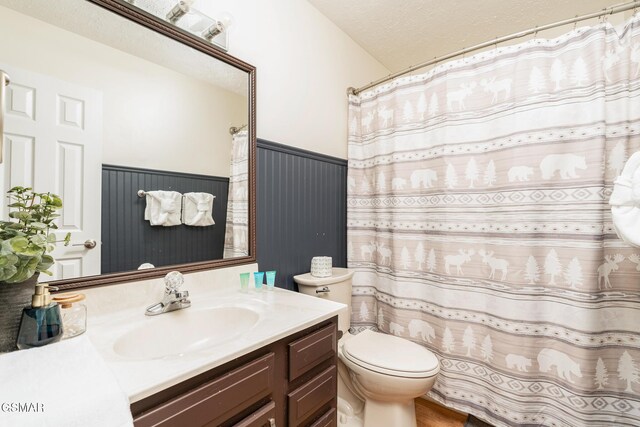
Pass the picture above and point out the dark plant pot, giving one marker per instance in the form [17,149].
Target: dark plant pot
[13,298]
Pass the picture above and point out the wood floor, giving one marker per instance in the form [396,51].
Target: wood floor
[429,414]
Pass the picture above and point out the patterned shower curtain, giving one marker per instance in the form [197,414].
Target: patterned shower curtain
[478,226]
[237,226]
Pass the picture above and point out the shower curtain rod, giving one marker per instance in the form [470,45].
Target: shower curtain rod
[622,7]
[233,129]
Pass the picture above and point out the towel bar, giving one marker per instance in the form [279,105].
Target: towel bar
[142,193]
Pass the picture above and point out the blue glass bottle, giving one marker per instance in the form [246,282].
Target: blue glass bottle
[41,323]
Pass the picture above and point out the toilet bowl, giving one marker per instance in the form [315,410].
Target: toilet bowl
[380,375]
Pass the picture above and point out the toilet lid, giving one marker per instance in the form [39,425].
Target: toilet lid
[390,355]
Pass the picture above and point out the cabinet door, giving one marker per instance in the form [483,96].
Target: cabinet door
[217,400]
[263,417]
[306,400]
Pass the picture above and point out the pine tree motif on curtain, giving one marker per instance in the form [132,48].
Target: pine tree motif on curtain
[478,226]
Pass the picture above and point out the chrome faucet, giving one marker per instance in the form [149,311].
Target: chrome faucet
[174,298]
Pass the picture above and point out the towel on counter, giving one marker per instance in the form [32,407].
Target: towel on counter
[163,208]
[65,384]
[197,209]
[625,202]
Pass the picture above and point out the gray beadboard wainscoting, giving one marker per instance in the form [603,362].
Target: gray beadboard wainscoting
[128,240]
[302,210]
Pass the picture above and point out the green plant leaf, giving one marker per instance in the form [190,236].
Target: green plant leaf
[39,239]
[32,250]
[7,272]
[8,259]
[19,243]
[24,271]
[20,215]
[46,261]
[56,201]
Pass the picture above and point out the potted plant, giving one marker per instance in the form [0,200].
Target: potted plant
[25,243]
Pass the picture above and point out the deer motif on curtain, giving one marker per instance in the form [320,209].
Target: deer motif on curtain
[478,226]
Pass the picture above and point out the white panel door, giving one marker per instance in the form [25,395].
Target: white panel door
[53,142]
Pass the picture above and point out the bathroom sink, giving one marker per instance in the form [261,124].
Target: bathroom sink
[185,331]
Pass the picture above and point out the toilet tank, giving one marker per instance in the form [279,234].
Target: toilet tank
[336,287]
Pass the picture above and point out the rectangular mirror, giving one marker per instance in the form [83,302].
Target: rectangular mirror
[146,131]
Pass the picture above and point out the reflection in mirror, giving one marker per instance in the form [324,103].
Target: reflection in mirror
[100,108]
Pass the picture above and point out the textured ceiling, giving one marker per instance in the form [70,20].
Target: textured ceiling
[401,33]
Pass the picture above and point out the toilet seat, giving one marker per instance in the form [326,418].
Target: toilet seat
[390,355]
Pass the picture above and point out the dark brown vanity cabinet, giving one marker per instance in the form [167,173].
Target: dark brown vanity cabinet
[292,382]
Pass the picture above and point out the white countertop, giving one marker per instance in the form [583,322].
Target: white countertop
[116,310]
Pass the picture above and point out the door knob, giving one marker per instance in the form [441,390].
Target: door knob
[89,244]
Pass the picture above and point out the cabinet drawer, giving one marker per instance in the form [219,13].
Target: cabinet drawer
[218,399]
[310,351]
[306,400]
[329,419]
[263,417]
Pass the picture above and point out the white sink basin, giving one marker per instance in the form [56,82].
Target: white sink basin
[185,331]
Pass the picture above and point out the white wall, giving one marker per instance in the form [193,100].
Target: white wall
[304,66]
[153,117]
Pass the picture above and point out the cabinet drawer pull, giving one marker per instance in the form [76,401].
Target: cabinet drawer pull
[272,422]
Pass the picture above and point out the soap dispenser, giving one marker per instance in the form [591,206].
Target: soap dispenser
[41,323]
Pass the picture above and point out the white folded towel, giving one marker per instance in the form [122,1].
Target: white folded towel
[65,384]
[197,209]
[625,202]
[163,208]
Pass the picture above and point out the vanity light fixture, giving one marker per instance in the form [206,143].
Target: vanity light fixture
[179,10]
[185,16]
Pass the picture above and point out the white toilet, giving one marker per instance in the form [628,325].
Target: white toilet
[379,374]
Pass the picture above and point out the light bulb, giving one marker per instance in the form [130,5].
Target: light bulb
[219,26]
[179,10]
[227,21]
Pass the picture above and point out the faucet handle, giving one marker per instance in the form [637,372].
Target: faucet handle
[173,281]
[182,295]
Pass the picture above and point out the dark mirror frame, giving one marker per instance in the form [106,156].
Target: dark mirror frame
[138,16]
